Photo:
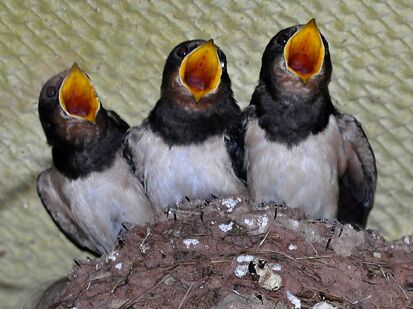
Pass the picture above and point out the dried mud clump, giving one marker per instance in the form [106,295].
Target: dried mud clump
[226,254]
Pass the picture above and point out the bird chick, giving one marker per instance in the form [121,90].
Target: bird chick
[300,150]
[89,191]
[191,144]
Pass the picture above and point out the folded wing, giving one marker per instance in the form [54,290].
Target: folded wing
[358,180]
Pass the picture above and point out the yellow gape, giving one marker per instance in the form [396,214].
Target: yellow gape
[200,71]
[304,52]
[77,96]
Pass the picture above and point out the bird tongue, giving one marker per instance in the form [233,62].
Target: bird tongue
[200,71]
[77,104]
[300,65]
[304,52]
[77,96]
[198,82]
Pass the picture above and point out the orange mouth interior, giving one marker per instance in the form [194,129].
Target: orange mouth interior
[304,52]
[77,95]
[200,71]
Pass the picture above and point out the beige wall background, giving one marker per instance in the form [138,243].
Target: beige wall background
[123,45]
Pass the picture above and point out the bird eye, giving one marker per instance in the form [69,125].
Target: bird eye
[50,91]
[282,38]
[182,51]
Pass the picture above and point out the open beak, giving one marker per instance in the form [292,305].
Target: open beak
[200,71]
[77,96]
[304,52]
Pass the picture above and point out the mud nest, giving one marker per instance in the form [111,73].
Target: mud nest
[227,254]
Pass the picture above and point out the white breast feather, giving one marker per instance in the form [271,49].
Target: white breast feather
[195,171]
[303,176]
[102,201]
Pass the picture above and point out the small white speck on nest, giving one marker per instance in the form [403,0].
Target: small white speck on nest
[212,222]
[377,255]
[112,256]
[241,271]
[262,221]
[276,267]
[323,305]
[249,222]
[245,258]
[226,227]
[231,203]
[293,223]
[292,247]
[294,300]
[119,266]
[189,242]
[406,240]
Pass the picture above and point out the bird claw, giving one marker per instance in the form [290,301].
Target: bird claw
[330,234]
[210,200]
[172,210]
[126,227]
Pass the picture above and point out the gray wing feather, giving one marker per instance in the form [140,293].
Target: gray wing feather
[359,179]
[60,211]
